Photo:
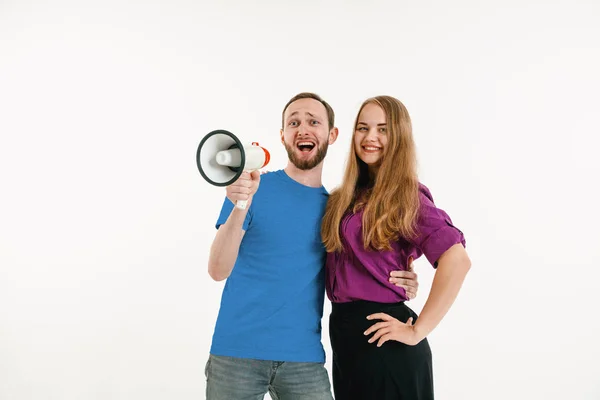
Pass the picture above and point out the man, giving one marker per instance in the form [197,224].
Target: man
[268,333]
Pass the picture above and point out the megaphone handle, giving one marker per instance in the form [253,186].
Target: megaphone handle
[241,204]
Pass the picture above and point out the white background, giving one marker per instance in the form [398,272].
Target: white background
[106,223]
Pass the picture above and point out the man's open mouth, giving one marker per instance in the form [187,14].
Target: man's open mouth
[305,146]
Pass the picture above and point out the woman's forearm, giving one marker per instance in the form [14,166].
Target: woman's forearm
[452,269]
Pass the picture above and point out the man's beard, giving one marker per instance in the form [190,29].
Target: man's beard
[307,163]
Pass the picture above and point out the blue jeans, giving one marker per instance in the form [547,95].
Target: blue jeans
[230,378]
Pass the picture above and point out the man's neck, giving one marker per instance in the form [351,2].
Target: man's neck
[310,177]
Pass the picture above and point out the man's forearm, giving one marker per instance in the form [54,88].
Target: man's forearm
[225,247]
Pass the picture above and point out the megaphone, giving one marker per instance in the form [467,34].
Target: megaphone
[221,159]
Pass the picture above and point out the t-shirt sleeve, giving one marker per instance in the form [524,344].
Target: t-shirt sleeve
[226,210]
[435,230]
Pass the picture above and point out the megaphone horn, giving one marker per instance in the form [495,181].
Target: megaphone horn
[221,159]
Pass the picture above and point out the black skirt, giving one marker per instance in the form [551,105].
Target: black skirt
[363,371]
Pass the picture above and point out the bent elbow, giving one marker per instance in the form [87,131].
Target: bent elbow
[217,277]
[216,273]
[466,262]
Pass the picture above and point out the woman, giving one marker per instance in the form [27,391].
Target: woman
[379,219]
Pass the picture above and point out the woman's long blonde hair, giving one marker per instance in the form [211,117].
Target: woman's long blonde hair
[391,200]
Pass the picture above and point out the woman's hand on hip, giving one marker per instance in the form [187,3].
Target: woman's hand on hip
[392,329]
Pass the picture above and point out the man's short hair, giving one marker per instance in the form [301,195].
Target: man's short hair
[307,95]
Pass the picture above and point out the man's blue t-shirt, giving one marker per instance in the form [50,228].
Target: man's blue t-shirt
[272,303]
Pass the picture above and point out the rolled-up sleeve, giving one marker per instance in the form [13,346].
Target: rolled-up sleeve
[435,231]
